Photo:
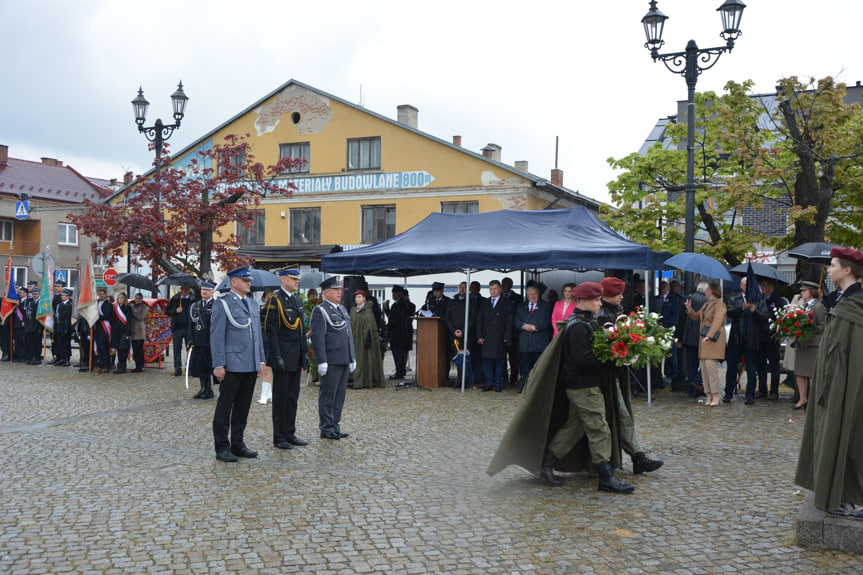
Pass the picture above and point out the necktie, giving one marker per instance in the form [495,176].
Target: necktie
[493,302]
[532,307]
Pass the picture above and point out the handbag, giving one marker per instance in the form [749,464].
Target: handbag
[706,330]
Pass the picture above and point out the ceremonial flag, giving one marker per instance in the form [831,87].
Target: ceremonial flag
[10,300]
[44,312]
[87,305]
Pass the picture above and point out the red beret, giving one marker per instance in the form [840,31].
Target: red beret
[587,290]
[849,254]
[612,286]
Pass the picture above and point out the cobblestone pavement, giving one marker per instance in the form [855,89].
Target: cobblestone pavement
[116,474]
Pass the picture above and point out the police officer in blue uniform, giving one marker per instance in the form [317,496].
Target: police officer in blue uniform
[333,343]
[238,358]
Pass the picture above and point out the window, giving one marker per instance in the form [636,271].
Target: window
[6,227]
[379,223]
[305,225]
[459,207]
[20,275]
[71,275]
[254,233]
[67,234]
[364,154]
[298,152]
[236,161]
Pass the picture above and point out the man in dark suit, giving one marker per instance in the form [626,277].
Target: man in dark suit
[399,329]
[768,350]
[746,315]
[514,299]
[333,343]
[62,340]
[287,355]
[533,322]
[494,334]
[236,344]
[102,331]
[178,309]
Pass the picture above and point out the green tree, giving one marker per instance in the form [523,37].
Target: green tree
[801,158]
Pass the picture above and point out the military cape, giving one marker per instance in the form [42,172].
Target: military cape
[831,452]
[543,409]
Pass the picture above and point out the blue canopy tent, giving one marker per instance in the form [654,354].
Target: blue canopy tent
[504,240]
[564,239]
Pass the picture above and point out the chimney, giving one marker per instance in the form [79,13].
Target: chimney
[4,154]
[112,183]
[557,177]
[51,162]
[521,166]
[456,140]
[408,115]
[492,152]
[127,178]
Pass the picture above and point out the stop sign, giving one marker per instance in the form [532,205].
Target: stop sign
[109,275]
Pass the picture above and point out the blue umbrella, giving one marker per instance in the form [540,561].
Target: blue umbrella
[261,280]
[699,264]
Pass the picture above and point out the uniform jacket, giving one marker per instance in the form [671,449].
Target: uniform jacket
[494,325]
[63,317]
[712,316]
[332,338]
[455,319]
[831,451]
[437,307]
[284,319]
[237,349]
[31,324]
[533,341]
[200,319]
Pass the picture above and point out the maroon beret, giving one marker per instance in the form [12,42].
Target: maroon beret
[849,254]
[587,290]
[612,286]
[362,292]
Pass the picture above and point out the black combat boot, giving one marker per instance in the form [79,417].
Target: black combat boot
[608,481]
[642,464]
[200,394]
[208,388]
[547,471]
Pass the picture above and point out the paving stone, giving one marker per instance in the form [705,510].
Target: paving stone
[116,474]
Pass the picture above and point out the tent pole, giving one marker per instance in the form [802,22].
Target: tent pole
[647,287]
[465,331]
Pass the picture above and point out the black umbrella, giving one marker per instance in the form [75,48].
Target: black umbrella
[813,252]
[136,281]
[179,279]
[762,271]
[261,280]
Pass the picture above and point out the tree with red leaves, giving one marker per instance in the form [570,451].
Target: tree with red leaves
[178,220]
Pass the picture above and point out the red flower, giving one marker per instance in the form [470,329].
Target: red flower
[796,324]
[787,329]
[809,320]
[797,333]
[635,338]
[619,350]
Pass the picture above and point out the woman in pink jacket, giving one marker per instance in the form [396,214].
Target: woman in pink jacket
[563,307]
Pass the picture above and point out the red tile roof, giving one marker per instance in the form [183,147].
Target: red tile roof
[48,182]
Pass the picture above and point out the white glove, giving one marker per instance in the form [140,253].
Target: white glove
[322,368]
[353,366]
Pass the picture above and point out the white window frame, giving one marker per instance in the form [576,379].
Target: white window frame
[62,240]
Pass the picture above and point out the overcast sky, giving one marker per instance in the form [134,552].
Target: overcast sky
[517,74]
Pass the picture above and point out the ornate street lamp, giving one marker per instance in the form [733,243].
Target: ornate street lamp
[690,64]
[159,132]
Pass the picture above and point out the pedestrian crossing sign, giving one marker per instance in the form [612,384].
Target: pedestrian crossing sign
[22,210]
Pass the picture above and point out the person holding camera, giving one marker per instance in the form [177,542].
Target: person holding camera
[711,346]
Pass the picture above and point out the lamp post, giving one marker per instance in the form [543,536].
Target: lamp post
[690,64]
[158,133]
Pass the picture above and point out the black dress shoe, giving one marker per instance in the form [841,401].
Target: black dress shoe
[177,373]
[83,370]
[244,452]
[330,435]
[138,370]
[283,445]
[393,377]
[207,395]
[294,440]
[226,455]
[343,434]
[118,371]
[64,363]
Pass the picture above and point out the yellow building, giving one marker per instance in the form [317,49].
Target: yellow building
[366,177]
